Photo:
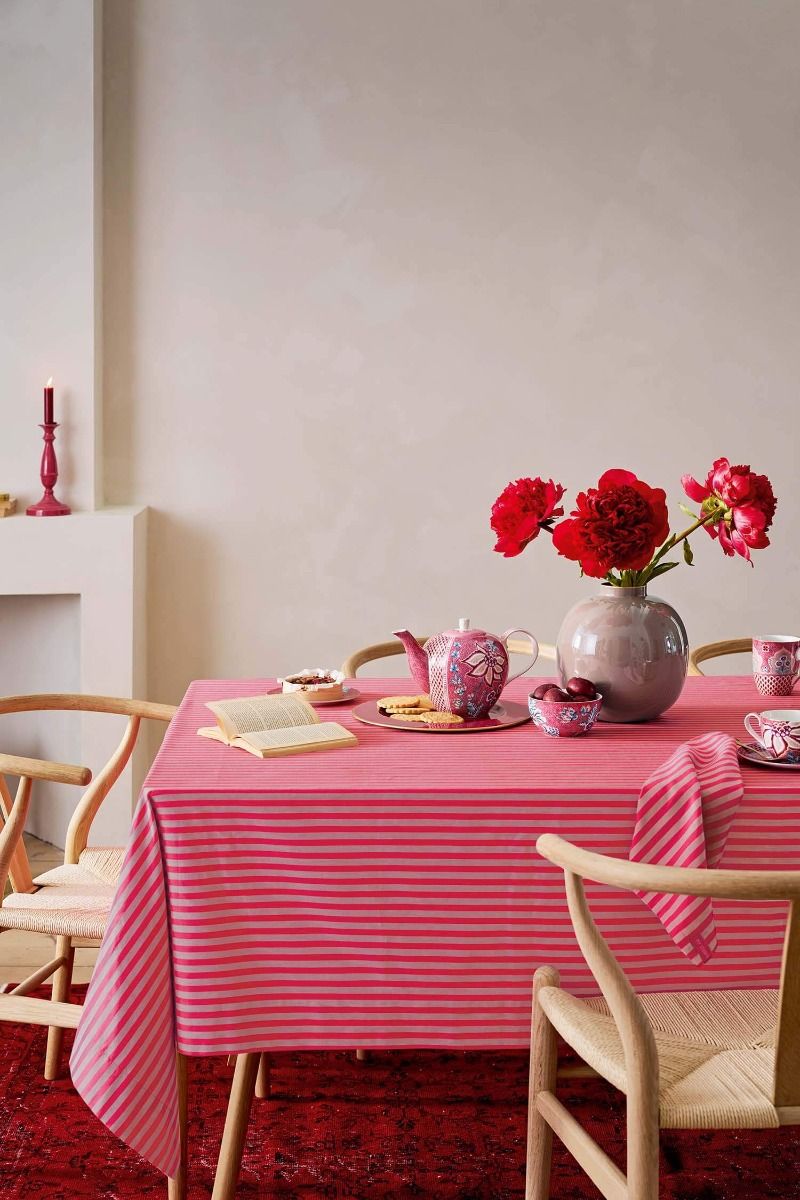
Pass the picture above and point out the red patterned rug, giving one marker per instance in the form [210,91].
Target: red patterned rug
[403,1126]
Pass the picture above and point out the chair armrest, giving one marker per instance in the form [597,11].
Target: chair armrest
[676,881]
[153,711]
[37,768]
[75,702]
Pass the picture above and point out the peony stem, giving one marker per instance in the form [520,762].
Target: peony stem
[681,537]
[673,541]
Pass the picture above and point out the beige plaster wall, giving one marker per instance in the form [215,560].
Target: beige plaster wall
[367,261]
[49,242]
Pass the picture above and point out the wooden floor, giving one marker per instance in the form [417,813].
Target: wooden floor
[21,953]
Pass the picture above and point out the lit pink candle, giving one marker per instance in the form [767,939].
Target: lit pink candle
[48,402]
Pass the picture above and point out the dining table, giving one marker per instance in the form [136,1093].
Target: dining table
[389,895]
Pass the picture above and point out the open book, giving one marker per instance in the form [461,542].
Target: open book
[270,725]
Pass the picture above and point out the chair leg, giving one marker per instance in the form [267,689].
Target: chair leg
[230,1154]
[263,1078]
[62,986]
[643,1133]
[543,1072]
[176,1187]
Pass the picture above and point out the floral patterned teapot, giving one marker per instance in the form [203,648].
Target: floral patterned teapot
[463,670]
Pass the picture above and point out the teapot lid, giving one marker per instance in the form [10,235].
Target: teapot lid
[465,626]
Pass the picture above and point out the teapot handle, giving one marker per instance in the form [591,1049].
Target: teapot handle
[534,650]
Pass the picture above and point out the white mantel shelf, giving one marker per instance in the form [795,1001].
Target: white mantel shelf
[44,555]
[101,557]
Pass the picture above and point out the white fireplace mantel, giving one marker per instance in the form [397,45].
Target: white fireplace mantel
[99,557]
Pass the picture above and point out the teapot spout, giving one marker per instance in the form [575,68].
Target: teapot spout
[417,659]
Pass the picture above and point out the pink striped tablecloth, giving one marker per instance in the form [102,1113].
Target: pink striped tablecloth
[389,895]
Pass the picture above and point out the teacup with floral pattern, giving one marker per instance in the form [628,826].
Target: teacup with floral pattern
[777,731]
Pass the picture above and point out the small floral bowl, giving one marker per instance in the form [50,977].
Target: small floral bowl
[565,718]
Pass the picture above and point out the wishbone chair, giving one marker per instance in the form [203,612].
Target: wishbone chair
[685,1060]
[71,902]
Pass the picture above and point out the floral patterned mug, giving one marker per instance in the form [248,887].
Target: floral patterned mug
[776,663]
[778,731]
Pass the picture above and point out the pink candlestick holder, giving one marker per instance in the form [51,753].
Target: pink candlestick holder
[48,506]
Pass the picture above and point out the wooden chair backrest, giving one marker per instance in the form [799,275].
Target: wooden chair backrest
[369,654]
[717,650]
[351,665]
[634,1028]
[14,863]
[28,769]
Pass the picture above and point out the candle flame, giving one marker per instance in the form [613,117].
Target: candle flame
[49,382]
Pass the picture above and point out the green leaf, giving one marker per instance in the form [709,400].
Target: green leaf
[654,570]
[661,569]
[687,553]
[685,509]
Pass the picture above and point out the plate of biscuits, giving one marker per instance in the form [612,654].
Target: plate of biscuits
[417,714]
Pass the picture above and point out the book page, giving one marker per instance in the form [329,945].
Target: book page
[266,740]
[251,714]
[214,733]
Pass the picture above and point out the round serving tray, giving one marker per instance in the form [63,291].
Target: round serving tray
[502,716]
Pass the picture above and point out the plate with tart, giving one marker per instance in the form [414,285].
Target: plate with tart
[317,685]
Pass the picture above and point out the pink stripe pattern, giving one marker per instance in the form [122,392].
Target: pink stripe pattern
[683,818]
[390,896]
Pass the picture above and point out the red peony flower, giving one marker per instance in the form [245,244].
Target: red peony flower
[521,510]
[617,525]
[743,502]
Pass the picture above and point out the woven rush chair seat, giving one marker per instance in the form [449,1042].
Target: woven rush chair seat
[96,864]
[716,1052]
[75,910]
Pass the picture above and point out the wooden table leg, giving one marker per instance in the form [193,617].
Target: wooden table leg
[230,1154]
[263,1080]
[176,1188]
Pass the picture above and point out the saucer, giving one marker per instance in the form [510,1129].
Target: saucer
[757,756]
[348,693]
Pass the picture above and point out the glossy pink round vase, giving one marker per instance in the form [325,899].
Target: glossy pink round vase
[632,646]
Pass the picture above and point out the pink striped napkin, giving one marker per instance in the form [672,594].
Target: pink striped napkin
[682,820]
